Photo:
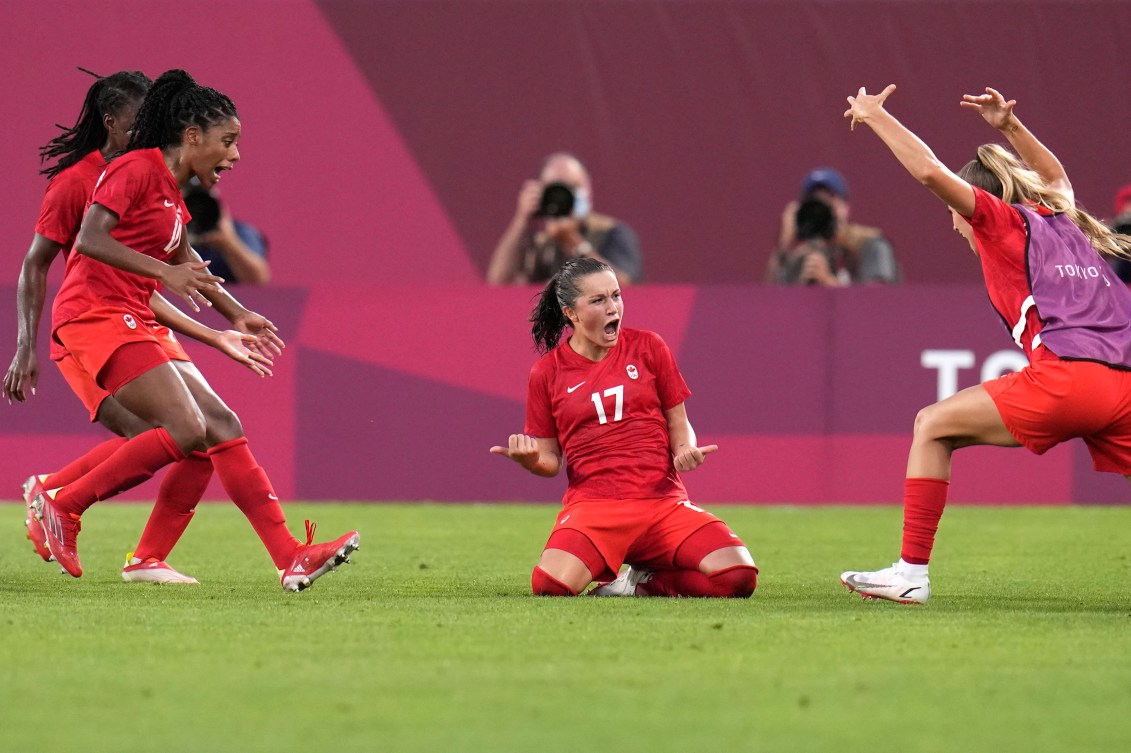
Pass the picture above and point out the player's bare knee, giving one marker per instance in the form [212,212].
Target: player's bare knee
[223,425]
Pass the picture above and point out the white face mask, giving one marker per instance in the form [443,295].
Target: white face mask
[581,205]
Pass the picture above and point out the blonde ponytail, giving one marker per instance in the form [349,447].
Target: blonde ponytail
[1000,172]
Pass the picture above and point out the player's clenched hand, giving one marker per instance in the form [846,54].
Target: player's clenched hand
[521,448]
[188,279]
[690,458]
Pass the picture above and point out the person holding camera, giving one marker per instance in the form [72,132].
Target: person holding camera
[813,258]
[554,223]
[236,250]
[863,255]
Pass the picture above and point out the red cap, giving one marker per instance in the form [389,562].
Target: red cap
[1122,198]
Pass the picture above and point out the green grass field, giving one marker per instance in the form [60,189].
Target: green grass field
[429,641]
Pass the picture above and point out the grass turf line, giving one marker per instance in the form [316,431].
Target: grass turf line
[430,641]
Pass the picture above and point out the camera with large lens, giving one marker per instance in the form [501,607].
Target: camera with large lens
[204,208]
[557,201]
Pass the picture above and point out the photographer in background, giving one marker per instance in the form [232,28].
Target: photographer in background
[237,251]
[554,223]
[813,257]
[863,254]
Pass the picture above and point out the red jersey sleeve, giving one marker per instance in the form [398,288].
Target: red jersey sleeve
[669,382]
[119,189]
[539,411]
[62,209]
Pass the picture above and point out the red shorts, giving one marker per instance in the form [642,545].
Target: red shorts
[645,533]
[90,342]
[1053,400]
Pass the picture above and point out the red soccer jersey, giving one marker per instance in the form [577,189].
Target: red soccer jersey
[1001,240]
[140,189]
[65,200]
[608,416]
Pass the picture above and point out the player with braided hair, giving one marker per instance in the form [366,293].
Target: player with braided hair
[612,401]
[102,131]
[130,243]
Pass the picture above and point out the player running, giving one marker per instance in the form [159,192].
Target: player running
[131,241]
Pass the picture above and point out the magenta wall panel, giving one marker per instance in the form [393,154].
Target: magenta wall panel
[383,147]
[398,392]
[385,141]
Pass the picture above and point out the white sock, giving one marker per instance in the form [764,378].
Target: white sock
[913,572]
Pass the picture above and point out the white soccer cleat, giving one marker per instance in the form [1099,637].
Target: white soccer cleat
[891,583]
[153,571]
[624,584]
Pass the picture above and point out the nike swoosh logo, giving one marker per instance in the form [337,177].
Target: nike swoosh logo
[852,581]
[574,387]
[272,496]
[169,203]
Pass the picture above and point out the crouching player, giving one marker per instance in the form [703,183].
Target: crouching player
[612,400]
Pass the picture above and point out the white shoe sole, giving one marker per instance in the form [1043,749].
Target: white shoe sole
[296,583]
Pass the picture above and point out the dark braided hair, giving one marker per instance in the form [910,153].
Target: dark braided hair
[562,290]
[174,103]
[107,96]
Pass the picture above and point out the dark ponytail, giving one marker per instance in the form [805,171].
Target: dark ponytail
[106,96]
[561,291]
[174,103]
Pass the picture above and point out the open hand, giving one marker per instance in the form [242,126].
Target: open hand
[189,279]
[239,346]
[865,105]
[992,106]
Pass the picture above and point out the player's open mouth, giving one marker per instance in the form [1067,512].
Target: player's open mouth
[217,170]
[612,328]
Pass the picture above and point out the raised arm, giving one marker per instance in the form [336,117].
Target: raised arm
[506,263]
[23,373]
[910,150]
[998,112]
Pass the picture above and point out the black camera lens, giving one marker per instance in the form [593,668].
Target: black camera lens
[557,201]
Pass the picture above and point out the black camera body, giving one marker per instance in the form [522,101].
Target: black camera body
[204,209]
[557,201]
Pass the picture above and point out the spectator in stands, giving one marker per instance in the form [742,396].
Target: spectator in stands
[863,254]
[1121,223]
[812,259]
[237,250]
[554,223]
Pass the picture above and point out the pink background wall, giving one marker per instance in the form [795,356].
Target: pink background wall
[384,143]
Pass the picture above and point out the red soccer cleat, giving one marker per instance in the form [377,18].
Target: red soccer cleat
[311,561]
[35,535]
[61,531]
